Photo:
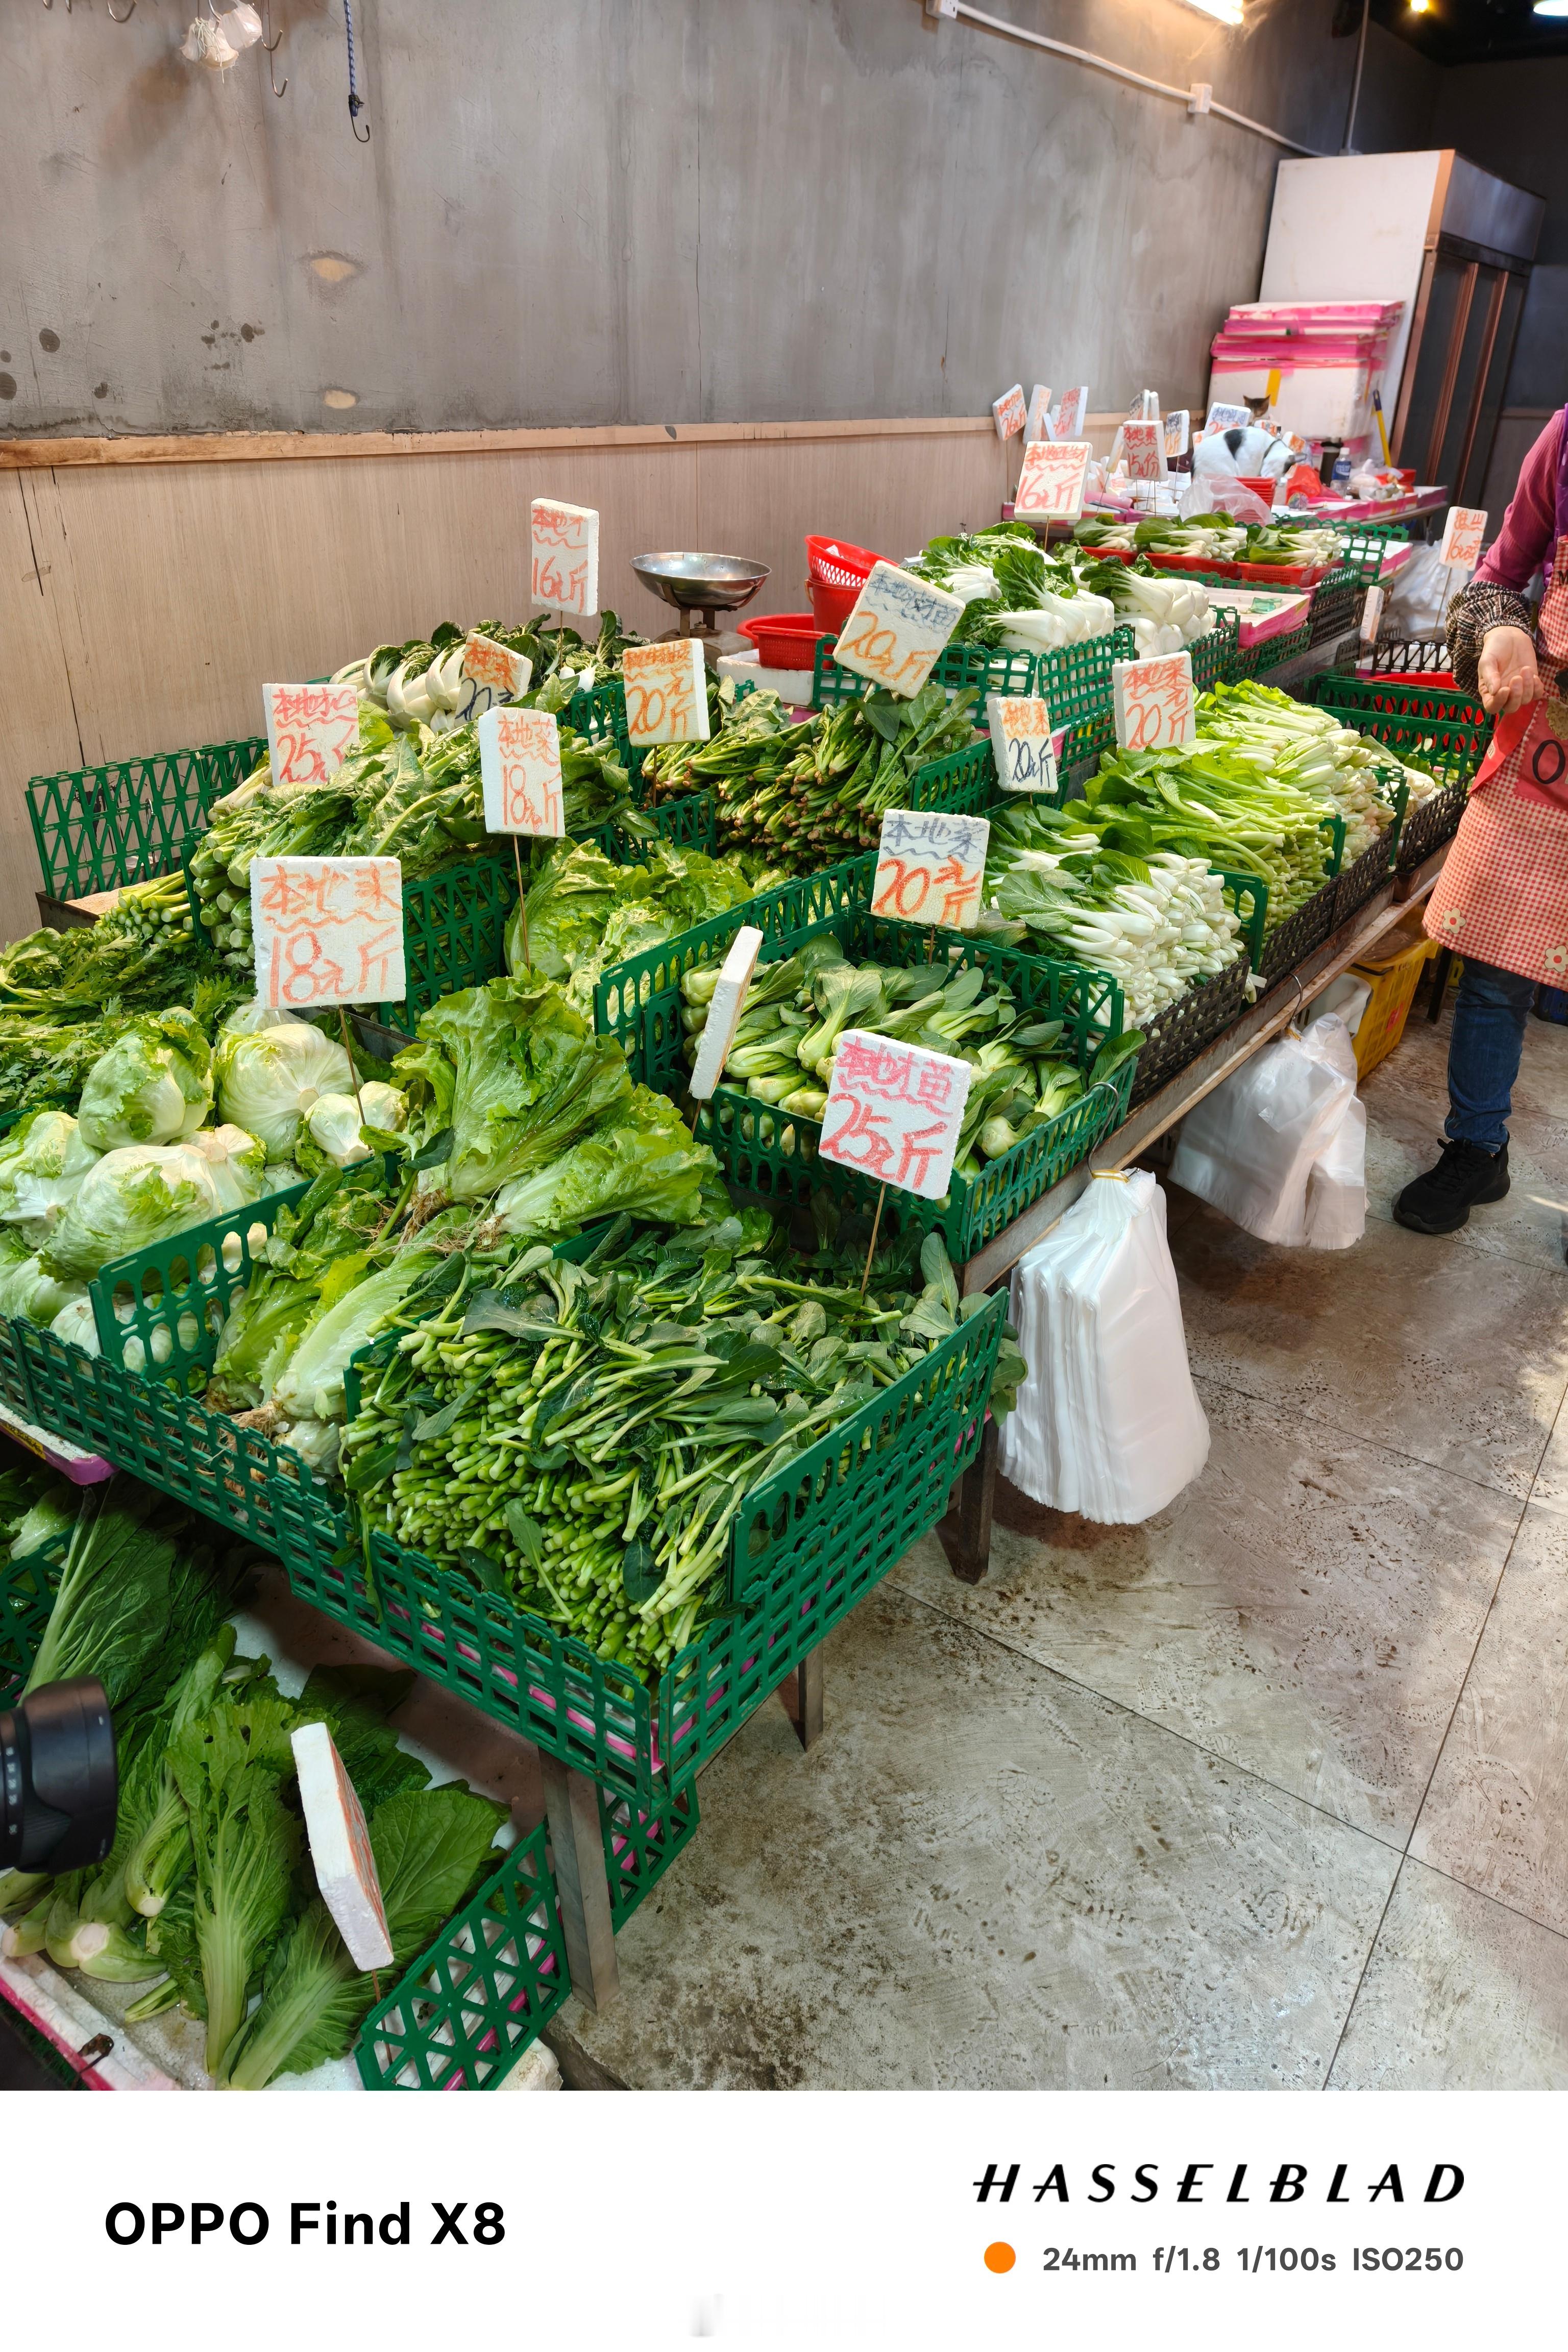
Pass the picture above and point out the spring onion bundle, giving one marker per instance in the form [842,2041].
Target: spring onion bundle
[1158,925]
[583,1439]
[796,1009]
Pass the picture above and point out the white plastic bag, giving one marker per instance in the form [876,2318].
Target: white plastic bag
[1108,1422]
[1250,1149]
[1417,603]
[1336,1189]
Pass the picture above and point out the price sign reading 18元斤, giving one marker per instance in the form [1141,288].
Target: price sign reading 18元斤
[1010,413]
[1021,742]
[1071,410]
[519,771]
[1051,480]
[1153,702]
[929,867]
[666,692]
[894,1113]
[1462,536]
[564,546]
[896,629]
[308,731]
[328,931]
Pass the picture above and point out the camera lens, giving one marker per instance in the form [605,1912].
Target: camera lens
[60,1783]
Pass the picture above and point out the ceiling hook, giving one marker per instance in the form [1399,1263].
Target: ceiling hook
[270,46]
[120,20]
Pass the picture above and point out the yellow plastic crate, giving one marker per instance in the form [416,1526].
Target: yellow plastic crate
[1393,980]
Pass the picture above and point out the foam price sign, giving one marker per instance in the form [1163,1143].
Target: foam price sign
[894,1113]
[1178,432]
[725,1007]
[1021,742]
[1226,417]
[1010,413]
[1462,535]
[339,1845]
[328,931]
[308,731]
[929,866]
[896,629]
[666,692]
[1143,447]
[519,769]
[1037,425]
[491,672]
[1153,702]
[1071,410]
[1051,480]
[564,545]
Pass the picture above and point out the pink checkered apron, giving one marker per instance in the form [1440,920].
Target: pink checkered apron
[1502,896]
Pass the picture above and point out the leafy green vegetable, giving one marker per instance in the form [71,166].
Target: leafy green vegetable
[152,1086]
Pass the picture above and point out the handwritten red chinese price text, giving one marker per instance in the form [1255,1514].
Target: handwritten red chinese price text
[566,557]
[527,766]
[1462,536]
[308,731]
[490,665]
[662,687]
[894,1113]
[928,868]
[329,930]
[1052,479]
[1155,699]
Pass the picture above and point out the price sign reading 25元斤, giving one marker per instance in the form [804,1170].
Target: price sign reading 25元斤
[666,692]
[1153,702]
[896,629]
[929,867]
[328,931]
[1021,742]
[519,771]
[894,1113]
[308,731]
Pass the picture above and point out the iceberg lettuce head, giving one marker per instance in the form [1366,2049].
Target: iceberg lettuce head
[268,1078]
[152,1086]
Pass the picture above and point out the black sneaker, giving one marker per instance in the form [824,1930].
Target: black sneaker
[1467,1177]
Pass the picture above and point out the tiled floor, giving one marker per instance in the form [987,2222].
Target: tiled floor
[1269,1791]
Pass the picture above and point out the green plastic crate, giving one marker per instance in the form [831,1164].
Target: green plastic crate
[815,1540]
[1336,602]
[1435,727]
[1216,652]
[978,668]
[772,1154]
[471,2005]
[97,828]
[1075,683]
[1256,661]
[177,1292]
[27,1596]
[1366,544]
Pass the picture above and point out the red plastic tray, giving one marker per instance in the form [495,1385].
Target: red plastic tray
[786,640]
[1257,575]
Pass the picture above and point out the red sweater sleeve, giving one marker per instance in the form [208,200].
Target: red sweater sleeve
[1525,539]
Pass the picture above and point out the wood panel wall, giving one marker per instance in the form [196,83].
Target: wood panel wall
[151,586]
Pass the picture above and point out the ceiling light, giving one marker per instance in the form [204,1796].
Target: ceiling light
[1419,7]
[1228,11]
[1552,7]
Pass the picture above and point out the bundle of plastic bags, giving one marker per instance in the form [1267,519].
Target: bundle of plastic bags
[1108,1422]
[1280,1148]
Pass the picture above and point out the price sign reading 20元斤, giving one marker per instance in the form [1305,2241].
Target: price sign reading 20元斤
[1021,742]
[929,867]
[894,1113]
[328,931]
[308,731]
[564,548]
[519,771]
[1153,702]
[896,629]
[666,692]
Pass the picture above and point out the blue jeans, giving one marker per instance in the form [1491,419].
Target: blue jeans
[1487,1037]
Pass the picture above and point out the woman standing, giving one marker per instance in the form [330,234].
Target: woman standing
[1501,901]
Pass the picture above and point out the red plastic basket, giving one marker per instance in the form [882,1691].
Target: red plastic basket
[784,640]
[837,573]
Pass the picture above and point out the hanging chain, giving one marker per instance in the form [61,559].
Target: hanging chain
[356,103]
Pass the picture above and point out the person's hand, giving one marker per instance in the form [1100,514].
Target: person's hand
[1506,671]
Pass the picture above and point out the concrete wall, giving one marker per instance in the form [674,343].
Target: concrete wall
[585,212]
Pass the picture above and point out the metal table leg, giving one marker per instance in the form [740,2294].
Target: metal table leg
[800,1693]
[966,1532]
[1442,964]
[577,1852]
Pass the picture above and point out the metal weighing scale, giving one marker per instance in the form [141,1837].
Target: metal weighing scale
[705,584]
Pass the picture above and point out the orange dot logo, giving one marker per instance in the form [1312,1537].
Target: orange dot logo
[1000,2257]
